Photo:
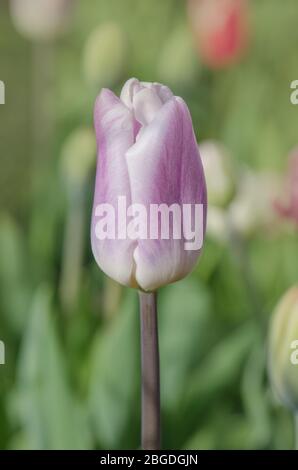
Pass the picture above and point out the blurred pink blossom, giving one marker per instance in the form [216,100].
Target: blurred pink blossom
[288,207]
[220,29]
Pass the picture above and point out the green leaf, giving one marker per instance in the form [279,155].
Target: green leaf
[49,415]
[255,398]
[222,363]
[14,288]
[214,377]
[183,317]
[114,385]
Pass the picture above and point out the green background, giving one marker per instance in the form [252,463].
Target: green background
[72,373]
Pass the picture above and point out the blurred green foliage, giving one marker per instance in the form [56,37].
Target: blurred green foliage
[72,372]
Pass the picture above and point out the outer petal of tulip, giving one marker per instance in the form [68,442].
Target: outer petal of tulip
[164,167]
[115,130]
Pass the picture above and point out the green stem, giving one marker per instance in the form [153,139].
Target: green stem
[43,118]
[73,246]
[150,372]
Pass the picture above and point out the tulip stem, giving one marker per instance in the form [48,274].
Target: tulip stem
[43,119]
[73,245]
[150,372]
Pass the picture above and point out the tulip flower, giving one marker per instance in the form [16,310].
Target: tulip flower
[220,29]
[148,155]
[283,351]
[148,160]
[288,208]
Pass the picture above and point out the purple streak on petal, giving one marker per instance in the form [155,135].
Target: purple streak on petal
[164,167]
[115,128]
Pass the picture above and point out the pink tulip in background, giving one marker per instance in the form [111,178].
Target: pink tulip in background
[220,29]
[147,152]
[288,206]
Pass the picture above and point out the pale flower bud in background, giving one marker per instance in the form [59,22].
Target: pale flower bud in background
[177,64]
[220,29]
[218,224]
[283,349]
[78,156]
[252,208]
[41,20]
[220,178]
[105,56]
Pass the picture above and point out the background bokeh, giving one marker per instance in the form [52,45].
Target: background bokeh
[72,373]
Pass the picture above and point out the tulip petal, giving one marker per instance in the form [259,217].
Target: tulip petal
[146,104]
[115,134]
[130,88]
[164,166]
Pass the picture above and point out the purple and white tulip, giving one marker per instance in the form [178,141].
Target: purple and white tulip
[147,153]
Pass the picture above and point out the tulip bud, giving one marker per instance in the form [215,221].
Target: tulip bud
[220,29]
[41,19]
[218,172]
[177,65]
[149,212]
[78,156]
[252,207]
[288,208]
[104,55]
[283,349]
